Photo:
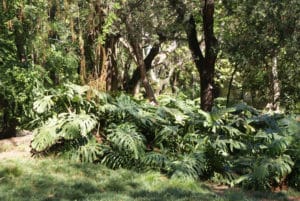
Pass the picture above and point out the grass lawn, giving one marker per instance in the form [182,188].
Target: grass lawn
[30,179]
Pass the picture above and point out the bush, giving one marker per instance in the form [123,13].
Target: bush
[235,146]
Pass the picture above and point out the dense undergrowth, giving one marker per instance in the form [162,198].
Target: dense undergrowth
[236,146]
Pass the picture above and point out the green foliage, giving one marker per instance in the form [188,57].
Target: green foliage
[126,139]
[89,152]
[291,127]
[66,126]
[60,179]
[235,146]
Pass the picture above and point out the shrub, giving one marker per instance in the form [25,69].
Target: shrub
[236,146]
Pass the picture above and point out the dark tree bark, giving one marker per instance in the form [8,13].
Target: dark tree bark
[20,39]
[53,36]
[112,70]
[9,123]
[136,76]
[208,71]
[204,64]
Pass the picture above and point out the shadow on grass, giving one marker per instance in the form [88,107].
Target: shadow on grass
[170,194]
[61,180]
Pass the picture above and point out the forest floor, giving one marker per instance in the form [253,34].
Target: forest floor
[16,147]
[25,178]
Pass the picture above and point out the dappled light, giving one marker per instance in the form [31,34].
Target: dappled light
[44,179]
[149,100]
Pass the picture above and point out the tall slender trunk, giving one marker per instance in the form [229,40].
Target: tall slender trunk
[274,87]
[20,39]
[230,86]
[52,36]
[112,70]
[208,71]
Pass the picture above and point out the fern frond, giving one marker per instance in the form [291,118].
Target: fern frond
[46,135]
[67,126]
[125,137]
[44,104]
[191,166]
[115,159]
[86,122]
[155,160]
[89,152]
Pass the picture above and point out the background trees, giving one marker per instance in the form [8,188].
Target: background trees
[256,38]
[119,45]
[65,66]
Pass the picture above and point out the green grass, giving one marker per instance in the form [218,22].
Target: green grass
[58,179]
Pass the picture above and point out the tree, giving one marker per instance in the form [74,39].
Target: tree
[205,63]
[256,38]
[20,80]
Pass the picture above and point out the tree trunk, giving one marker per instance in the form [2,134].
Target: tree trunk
[53,36]
[205,65]
[112,70]
[274,87]
[20,39]
[136,76]
[9,123]
[208,71]
[82,68]
[230,86]
[138,51]
[174,81]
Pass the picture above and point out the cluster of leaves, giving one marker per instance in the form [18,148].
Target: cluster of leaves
[237,145]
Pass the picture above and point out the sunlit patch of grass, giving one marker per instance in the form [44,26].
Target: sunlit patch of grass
[58,179]
[5,147]
[9,146]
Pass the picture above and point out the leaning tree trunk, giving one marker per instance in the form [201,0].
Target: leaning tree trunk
[230,85]
[138,51]
[136,76]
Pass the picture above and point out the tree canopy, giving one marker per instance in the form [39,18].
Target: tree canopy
[206,88]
